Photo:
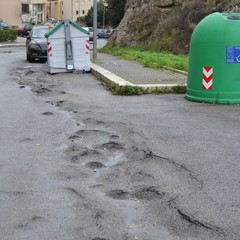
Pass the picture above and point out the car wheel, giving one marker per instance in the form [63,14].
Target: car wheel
[29,59]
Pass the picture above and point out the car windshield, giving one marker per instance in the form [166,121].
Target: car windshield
[40,32]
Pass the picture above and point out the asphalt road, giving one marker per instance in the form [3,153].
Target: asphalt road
[78,163]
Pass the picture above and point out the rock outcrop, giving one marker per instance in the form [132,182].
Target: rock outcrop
[164,24]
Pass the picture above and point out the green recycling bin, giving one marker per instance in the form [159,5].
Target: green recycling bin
[214,60]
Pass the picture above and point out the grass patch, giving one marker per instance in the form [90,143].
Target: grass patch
[125,90]
[134,90]
[149,58]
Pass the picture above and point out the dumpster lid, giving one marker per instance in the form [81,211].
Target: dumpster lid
[61,24]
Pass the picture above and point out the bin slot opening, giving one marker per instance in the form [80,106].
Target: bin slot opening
[69,50]
[233,17]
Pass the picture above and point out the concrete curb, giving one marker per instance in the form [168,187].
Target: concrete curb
[12,45]
[108,77]
[175,70]
[158,86]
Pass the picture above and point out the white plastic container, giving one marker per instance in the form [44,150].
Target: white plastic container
[68,48]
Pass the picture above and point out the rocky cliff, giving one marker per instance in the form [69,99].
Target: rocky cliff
[165,24]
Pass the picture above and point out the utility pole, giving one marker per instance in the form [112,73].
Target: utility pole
[95,29]
[72,10]
[103,14]
[79,8]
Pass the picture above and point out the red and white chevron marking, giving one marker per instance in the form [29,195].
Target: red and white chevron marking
[87,47]
[207,76]
[49,49]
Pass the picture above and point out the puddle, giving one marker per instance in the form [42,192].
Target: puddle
[27,88]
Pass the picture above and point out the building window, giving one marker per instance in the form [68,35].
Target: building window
[62,12]
[83,12]
[25,8]
[76,12]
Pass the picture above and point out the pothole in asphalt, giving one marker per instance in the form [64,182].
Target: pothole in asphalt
[25,140]
[59,103]
[97,238]
[41,90]
[88,152]
[73,149]
[141,176]
[95,165]
[90,136]
[24,68]
[118,194]
[148,193]
[31,220]
[41,80]
[91,133]
[81,151]
[112,146]
[93,121]
[97,186]
[47,113]
[73,137]
[74,159]
[29,72]
[85,153]
[114,137]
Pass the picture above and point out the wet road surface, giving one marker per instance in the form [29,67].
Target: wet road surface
[80,163]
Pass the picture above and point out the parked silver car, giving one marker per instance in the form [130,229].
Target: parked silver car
[4,25]
[101,33]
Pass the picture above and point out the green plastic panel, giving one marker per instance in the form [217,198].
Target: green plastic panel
[214,60]
[59,25]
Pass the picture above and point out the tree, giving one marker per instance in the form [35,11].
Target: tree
[102,15]
[89,18]
[115,10]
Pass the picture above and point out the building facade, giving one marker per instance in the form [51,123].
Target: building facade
[16,12]
[74,9]
[54,9]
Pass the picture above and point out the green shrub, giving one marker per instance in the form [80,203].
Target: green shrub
[8,35]
[3,35]
[12,35]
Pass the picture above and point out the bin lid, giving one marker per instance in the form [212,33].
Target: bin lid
[61,24]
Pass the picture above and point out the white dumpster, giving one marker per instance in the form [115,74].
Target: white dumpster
[68,48]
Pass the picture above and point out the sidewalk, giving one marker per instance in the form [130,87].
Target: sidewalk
[109,68]
[134,74]
[19,42]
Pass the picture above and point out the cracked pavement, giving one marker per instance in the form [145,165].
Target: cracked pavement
[112,167]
